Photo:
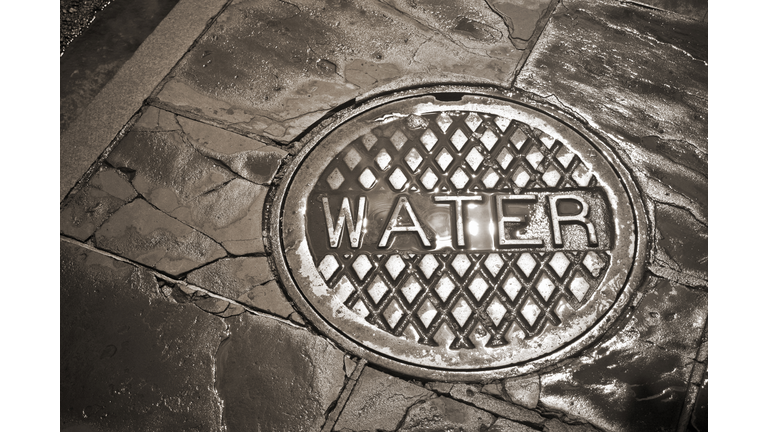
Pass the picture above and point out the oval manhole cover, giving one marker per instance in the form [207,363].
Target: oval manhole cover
[457,238]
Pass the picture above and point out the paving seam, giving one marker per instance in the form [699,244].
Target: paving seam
[103,119]
[695,381]
[350,385]
[171,280]
[543,22]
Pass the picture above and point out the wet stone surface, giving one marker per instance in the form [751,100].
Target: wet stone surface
[132,358]
[273,68]
[200,175]
[273,377]
[637,379]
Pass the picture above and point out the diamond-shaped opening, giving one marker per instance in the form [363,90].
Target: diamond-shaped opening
[393,314]
[444,159]
[335,179]
[367,179]
[369,140]
[545,287]
[428,179]
[490,178]
[546,139]
[473,121]
[526,263]
[518,138]
[579,288]
[521,176]
[459,139]
[397,179]
[461,264]
[427,313]
[593,263]
[360,309]
[530,311]
[352,159]
[428,265]
[328,266]
[494,263]
[502,123]
[478,287]
[504,158]
[395,266]
[443,121]
[444,288]
[377,290]
[413,159]
[459,178]
[559,263]
[512,287]
[496,311]
[343,289]
[429,139]
[474,158]
[534,157]
[581,175]
[461,312]
[489,139]
[383,159]
[564,156]
[398,140]
[551,177]
[411,289]
[362,265]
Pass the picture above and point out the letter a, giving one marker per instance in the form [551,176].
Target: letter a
[345,214]
[402,202]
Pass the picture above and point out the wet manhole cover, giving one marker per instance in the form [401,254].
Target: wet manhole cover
[458,234]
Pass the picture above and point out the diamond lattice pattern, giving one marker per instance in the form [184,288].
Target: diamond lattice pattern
[462,292]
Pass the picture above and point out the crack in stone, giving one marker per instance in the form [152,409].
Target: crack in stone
[338,405]
[171,280]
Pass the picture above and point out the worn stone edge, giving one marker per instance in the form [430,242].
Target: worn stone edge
[104,118]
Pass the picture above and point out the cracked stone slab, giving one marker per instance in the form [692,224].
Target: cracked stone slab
[637,379]
[471,394]
[444,414]
[379,402]
[232,277]
[682,246]
[204,193]
[88,208]
[504,425]
[132,358]
[274,377]
[247,280]
[273,68]
[521,17]
[142,233]
[657,88]
[523,391]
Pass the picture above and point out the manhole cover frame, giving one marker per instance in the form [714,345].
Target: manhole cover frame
[634,274]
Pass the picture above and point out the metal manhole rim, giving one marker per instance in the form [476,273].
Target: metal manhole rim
[347,343]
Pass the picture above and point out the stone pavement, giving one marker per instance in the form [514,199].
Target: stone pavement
[173,316]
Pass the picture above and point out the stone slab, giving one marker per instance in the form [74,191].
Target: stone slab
[100,122]
[274,377]
[523,391]
[208,194]
[131,358]
[637,379]
[271,69]
[444,414]
[232,277]
[142,233]
[379,402]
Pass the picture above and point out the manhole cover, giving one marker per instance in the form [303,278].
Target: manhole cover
[457,234]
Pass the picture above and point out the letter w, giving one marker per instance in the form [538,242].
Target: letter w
[345,214]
